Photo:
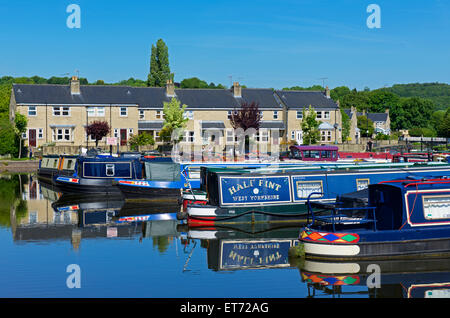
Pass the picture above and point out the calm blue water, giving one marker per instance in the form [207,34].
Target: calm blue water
[42,232]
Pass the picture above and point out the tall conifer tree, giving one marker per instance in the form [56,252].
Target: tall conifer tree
[159,65]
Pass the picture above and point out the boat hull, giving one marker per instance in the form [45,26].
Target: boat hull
[84,185]
[397,246]
[207,215]
[149,193]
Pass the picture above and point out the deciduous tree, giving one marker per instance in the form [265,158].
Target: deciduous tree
[97,130]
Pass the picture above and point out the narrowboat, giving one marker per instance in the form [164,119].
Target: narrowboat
[404,218]
[323,154]
[111,209]
[96,174]
[240,247]
[51,166]
[280,194]
[398,278]
[163,177]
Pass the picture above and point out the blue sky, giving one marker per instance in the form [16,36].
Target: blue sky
[259,43]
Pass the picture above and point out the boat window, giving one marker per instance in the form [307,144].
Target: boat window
[312,154]
[296,153]
[110,170]
[69,164]
[162,171]
[194,172]
[436,207]
[362,184]
[305,188]
[326,154]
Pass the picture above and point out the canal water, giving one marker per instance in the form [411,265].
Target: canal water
[60,245]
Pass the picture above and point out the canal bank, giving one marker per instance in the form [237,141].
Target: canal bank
[18,166]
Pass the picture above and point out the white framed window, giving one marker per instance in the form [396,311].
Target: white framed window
[436,207]
[326,135]
[362,184]
[188,136]
[96,111]
[159,114]
[261,114]
[25,134]
[305,188]
[91,111]
[326,115]
[116,132]
[32,217]
[293,134]
[61,111]
[130,131]
[275,114]
[141,114]
[123,111]
[319,115]
[230,135]
[299,114]
[62,134]
[32,111]
[110,170]
[40,133]
[264,133]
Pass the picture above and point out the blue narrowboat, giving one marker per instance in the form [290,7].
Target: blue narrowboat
[163,177]
[403,218]
[281,194]
[96,174]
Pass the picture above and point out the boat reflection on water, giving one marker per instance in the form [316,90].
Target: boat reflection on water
[51,215]
[243,246]
[400,278]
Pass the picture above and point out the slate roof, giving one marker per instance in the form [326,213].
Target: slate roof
[271,124]
[263,96]
[207,98]
[60,94]
[372,116]
[144,97]
[303,99]
[213,125]
[150,125]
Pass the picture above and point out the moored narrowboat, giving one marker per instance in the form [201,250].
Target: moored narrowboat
[403,218]
[280,194]
[96,174]
[51,166]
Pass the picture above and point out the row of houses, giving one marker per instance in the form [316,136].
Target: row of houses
[59,113]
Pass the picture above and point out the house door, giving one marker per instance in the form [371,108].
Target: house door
[32,137]
[299,136]
[123,137]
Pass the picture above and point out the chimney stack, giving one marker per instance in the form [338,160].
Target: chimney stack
[327,92]
[237,90]
[75,86]
[170,88]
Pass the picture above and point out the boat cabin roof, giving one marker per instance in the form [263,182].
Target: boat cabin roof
[317,148]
